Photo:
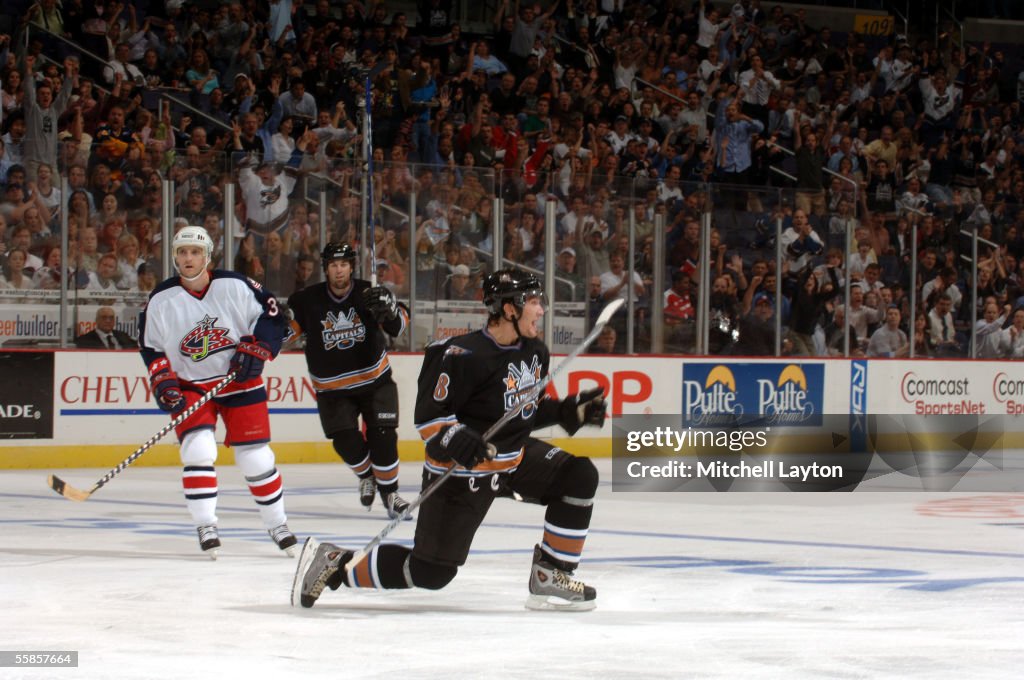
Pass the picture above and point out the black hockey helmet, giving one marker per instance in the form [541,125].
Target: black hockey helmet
[337,251]
[509,285]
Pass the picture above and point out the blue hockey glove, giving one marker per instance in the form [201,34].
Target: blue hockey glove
[250,355]
[166,388]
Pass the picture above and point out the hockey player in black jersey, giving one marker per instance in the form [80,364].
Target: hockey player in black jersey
[466,384]
[345,320]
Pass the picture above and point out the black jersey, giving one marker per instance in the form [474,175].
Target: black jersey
[471,379]
[345,345]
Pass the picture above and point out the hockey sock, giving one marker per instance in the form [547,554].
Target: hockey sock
[384,568]
[349,444]
[268,492]
[567,518]
[200,485]
[257,464]
[199,477]
[383,445]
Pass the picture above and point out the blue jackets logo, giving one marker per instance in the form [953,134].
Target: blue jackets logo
[775,393]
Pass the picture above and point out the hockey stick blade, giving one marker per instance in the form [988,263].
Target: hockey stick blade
[602,320]
[66,490]
[608,312]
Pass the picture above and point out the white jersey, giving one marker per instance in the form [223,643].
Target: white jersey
[265,205]
[198,333]
[938,105]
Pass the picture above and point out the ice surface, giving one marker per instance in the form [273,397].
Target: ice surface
[690,585]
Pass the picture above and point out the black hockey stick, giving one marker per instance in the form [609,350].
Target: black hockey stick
[530,397]
[68,491]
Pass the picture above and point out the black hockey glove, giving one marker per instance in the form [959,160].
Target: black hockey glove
[461,444]
[250,355]
[166,388]
[381,302]
[586,408]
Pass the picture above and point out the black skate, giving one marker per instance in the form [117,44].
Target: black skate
[319,565]
[284,539]
[367,490]
[552,588]
[209,539]
[395,504]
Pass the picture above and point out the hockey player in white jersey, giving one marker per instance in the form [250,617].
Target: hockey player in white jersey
[196,328]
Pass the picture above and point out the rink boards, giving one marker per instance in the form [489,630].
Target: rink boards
[77,408]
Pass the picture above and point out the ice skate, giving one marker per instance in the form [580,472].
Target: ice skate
[209,539]
[284,539]
[367,490]
[554,589]
[318,563]
[395,504]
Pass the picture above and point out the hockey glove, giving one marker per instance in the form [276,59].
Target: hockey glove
[250,355]
[461,444]
[586,408]
[166,387]
[381,302]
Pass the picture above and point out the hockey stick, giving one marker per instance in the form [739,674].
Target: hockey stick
[68,491]
[368,152]
[537,390]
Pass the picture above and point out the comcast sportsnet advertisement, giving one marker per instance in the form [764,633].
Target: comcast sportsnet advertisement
[946,388]
[773,392]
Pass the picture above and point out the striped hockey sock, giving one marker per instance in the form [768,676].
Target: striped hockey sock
[267,491]
[200,485]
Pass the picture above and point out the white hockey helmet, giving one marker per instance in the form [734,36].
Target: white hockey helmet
[193,236]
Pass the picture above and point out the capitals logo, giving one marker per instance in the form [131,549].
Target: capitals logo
[342,330]
[712,400]
[519,382]
[205,339]
[786,398]
[270,195]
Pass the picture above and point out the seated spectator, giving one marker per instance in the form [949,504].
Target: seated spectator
[391,276]
[1012,338]
[305,272]
[615,281]
[14,272]
[21,239]
[278,266]
[680,313]
[145,280]
[569,286]
[605,343]
[105,334]
[48,276]
[889,340]
[457,287]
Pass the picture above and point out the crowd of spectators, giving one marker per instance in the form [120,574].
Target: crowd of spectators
[615,111]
